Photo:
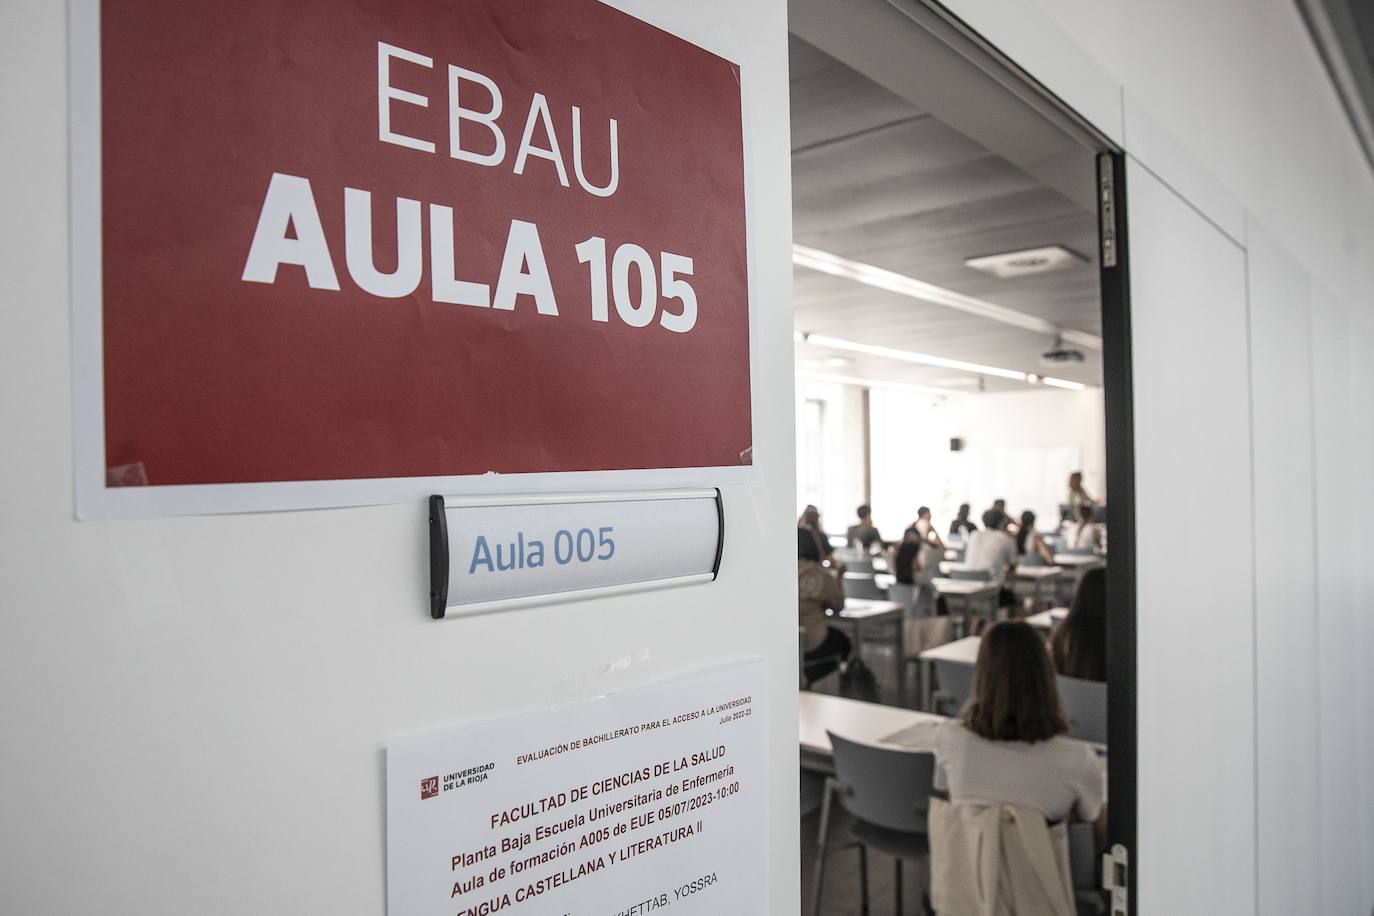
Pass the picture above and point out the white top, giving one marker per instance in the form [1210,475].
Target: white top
[1083,537]
[1057,777]
[994,551]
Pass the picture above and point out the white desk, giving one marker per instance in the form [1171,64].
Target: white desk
[960,652]
[870,723]
[1039,578]
[1048,620]
[1080,560]
[971,593]
[1076,564]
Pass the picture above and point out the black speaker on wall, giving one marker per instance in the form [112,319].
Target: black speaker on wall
[956,444]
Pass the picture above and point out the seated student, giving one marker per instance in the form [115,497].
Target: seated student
[824,647]
[1028,541]
[1079,645]
[906,559]
[1008,746]
[1000,505]
[1084,535]
[992,549]
[927,528]
[864,534]
[811,521]
[961,524]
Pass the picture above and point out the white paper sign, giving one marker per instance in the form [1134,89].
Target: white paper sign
[649,801]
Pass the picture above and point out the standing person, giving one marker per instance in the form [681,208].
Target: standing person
[1029,542]
[1008,746]
[811,521]
[1084,535]
[1078,496]
[993,550]
[1079,645]
[961,524]
[864,534]
[818,589]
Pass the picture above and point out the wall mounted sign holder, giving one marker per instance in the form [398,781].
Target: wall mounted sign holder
[489,554]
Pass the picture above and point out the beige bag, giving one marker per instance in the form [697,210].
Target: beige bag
[998,860]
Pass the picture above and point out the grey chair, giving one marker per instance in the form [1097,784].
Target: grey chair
[956,685]
[978,575]
[1085,706]
[905,595]
[887,791]
[859,564]
[862,586]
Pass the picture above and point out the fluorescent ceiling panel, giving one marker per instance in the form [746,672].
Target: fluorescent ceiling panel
[902,285]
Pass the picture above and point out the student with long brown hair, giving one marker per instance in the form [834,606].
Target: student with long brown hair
[1008,746]
[1079,645]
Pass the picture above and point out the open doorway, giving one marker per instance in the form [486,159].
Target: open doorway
[962,346]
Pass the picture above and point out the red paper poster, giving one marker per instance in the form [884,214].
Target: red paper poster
[420,239]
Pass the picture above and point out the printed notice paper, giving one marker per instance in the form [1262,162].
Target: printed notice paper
[651,801]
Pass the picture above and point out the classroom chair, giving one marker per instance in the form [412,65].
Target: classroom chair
[858,586]
[955,686]
[887,791]
[1085,706]
[905,595]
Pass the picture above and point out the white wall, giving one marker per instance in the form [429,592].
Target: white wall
[1018,445]
[1238,143]
[840,454]
[193,710]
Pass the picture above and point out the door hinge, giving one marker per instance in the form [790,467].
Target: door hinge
[1116,879]
[1106,200]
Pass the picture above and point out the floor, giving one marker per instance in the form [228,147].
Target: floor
[840,891]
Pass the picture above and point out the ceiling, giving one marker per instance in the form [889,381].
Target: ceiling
[1343,31]
[878,178]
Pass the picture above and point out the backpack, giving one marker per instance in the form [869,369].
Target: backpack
[857,681]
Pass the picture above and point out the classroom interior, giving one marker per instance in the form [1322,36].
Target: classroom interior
[949,362]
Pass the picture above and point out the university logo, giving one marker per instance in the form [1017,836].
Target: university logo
[429,787]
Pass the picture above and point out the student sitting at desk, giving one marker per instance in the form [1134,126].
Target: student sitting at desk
[865,534]
[1029,541]
[1079,646]
[993,550]
[811,521]
[961,525]
[825,648]
[906,562]
[1084,536]
[1009,745]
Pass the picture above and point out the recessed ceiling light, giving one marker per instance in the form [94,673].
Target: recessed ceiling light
[1029,261]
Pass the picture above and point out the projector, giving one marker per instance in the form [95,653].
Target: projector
[1059,354]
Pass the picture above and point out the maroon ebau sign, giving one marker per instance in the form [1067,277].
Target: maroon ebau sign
[380,240]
